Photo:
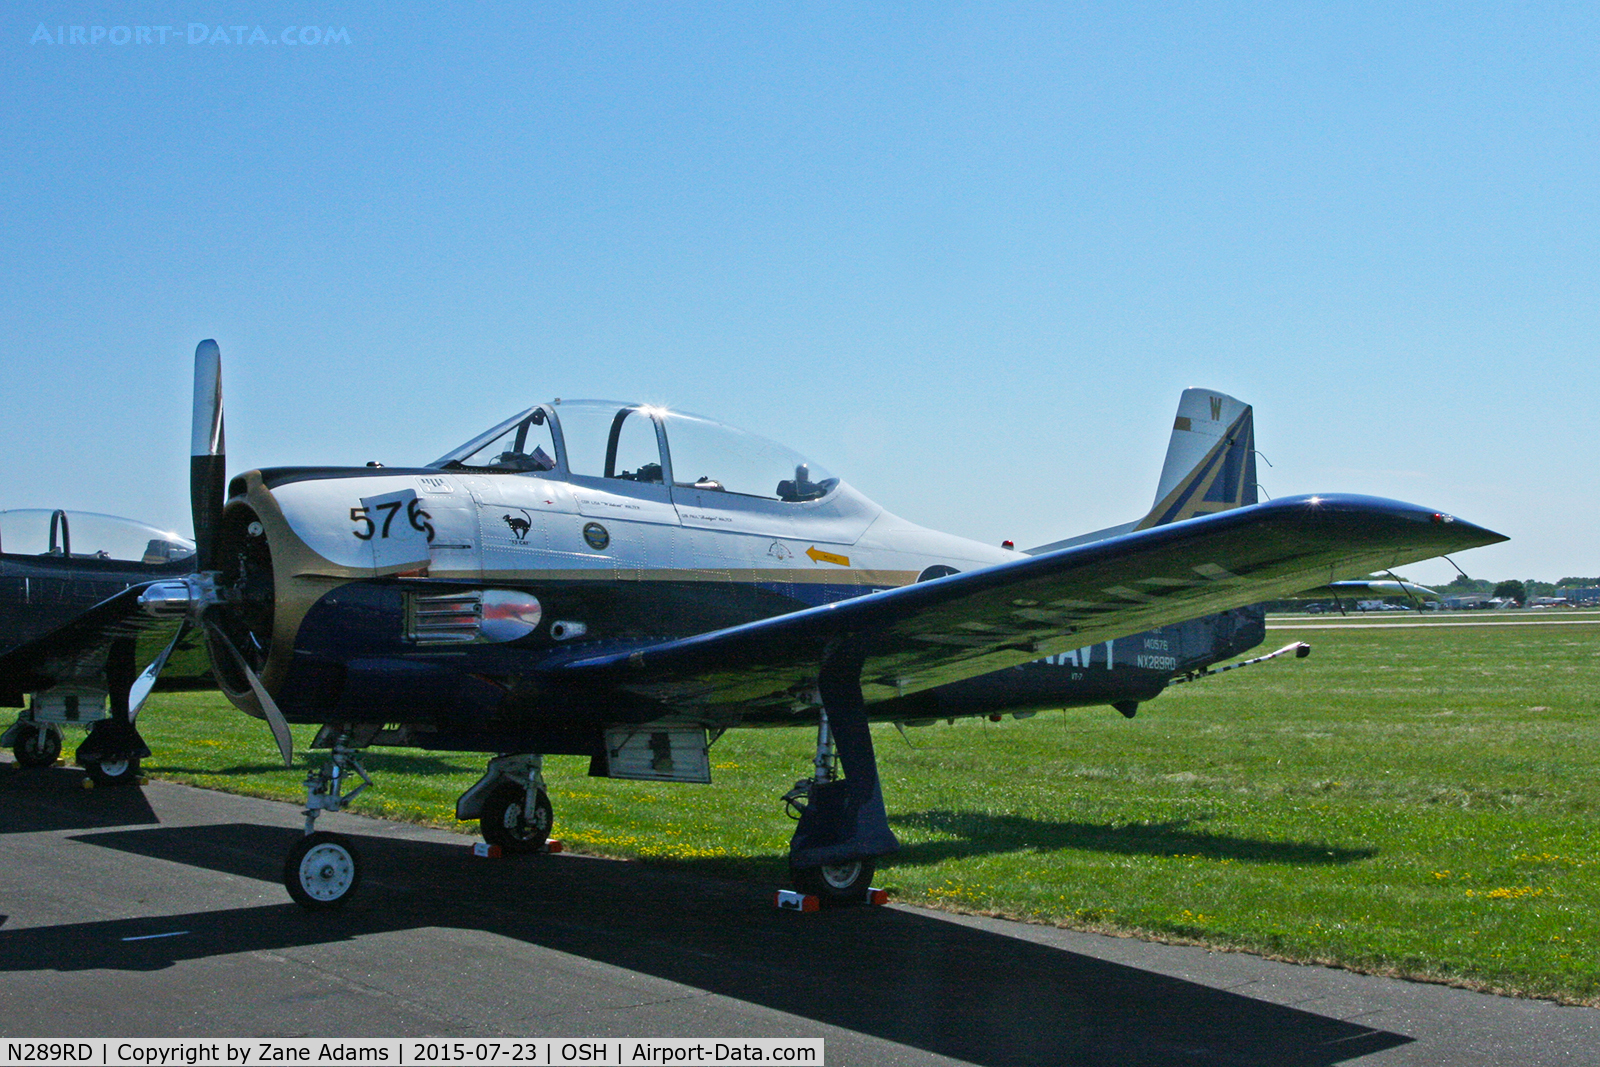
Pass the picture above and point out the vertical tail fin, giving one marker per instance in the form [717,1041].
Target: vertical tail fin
[1211,459]
[1211,466]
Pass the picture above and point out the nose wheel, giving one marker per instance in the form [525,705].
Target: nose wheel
[322,870]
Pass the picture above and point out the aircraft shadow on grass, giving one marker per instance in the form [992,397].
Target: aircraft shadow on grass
[975,833]
[926,982]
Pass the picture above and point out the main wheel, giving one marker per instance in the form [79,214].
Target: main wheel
[844,883]
[37,746]
[113,771]
[322,870]
[505,823]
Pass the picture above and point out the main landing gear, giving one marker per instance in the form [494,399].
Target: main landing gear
[843,883]
[34,744]
[111,770]
[111,752]
[510,804]
[843,825]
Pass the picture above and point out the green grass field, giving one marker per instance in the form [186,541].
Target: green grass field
[1415,801]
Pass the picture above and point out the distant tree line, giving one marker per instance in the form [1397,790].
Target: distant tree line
[1514,588]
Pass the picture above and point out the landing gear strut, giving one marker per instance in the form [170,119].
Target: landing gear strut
[510,804]
[34,744]
[323,869]
[113,749]
[843,825]
[111,753]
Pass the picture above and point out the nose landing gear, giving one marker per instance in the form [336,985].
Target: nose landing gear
[323,869]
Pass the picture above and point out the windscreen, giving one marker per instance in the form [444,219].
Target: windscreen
[519,445]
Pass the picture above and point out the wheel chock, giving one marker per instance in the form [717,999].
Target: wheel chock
[789,900]
[484,850]
[141,780]
[88,783]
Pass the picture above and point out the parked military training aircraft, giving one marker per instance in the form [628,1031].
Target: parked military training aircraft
[55,566]
[626,582]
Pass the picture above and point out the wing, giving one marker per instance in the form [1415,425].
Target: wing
[75,653]
[932,633]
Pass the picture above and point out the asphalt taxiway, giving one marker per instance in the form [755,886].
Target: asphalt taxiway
[158,912]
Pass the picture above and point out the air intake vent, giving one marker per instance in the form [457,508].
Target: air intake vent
[444,618]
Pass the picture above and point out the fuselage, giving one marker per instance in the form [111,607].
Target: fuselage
[430,596]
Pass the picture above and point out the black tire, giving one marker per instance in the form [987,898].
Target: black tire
[838,883]
[113,771]
[504,822]
[322,870]
[37,746]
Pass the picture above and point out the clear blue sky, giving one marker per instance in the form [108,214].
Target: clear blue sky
[966,256]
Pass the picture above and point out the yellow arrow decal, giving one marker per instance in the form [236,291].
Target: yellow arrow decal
[819,556]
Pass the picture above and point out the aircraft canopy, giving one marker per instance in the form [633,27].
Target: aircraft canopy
[641,443]
[86,535]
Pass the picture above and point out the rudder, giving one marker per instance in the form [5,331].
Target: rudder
[1211,459]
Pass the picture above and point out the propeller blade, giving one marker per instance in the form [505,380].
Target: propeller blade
[207,460]
[275,720]
[142,685]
